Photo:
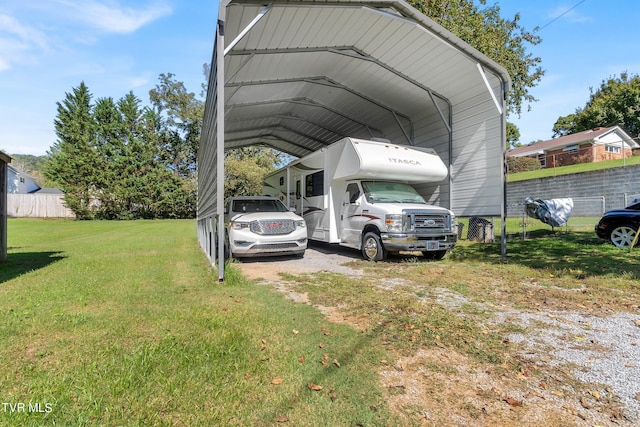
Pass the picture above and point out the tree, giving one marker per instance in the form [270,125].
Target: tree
[245,169]
[128,177]
[73,159]
[502,40]
[513,135]
[615,102]
[184,114]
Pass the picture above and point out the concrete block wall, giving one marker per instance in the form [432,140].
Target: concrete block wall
[613,184]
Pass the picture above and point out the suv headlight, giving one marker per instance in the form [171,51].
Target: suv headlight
[393,223]
[301,223]
[236,225]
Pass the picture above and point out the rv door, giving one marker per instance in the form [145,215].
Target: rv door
[351,220]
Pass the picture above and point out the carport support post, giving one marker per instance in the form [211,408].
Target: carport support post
[220,139]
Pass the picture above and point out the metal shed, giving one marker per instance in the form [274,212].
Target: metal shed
[299,75]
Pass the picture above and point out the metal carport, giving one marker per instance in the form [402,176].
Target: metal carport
[298,75]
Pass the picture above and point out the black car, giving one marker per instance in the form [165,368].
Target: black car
[620,226]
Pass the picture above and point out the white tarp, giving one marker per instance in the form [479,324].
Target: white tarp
[555,212]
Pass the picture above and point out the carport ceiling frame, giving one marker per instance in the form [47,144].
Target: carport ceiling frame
[348,51]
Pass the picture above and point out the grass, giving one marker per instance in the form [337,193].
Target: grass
[449,308]
[123,323]
[566,170]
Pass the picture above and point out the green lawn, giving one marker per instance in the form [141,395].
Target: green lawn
[566,170]
[124,323]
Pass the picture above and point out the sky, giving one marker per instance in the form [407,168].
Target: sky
[48,47]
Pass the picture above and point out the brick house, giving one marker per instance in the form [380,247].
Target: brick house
[594,145]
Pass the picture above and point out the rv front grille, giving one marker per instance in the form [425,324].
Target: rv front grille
[272,227]
[429,222]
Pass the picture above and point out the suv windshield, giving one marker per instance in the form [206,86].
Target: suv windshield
[390,192]
[259,205]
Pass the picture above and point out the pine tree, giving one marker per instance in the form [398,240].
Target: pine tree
[73,158]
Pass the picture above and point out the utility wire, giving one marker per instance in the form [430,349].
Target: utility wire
[561,15]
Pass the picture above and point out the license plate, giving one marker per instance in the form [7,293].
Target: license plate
[433,245]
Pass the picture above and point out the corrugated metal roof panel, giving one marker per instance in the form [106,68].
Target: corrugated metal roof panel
[310,72]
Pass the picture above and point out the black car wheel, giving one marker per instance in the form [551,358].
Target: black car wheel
[622,235]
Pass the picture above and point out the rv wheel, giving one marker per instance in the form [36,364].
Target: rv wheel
[372,249]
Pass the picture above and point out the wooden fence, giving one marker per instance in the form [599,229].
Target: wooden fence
[37,206]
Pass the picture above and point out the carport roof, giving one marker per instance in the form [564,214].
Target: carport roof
[299,75]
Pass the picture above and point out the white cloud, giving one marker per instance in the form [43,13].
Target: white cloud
[17,42]
[113,17]
[13,28]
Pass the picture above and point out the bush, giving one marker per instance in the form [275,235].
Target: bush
[522,164]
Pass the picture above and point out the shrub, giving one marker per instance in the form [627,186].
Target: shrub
[522,164]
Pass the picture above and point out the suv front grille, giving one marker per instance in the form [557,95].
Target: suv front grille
[272,226]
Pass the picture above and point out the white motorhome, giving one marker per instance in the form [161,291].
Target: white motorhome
[358,193]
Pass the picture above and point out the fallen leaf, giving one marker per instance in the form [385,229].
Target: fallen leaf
[276,381]
[335,362]
[314,387]
[301,359]
[295,332]
[537,394]
[557,393]
[513,402]
[544,386]
[584,403]
[570,410]
[321,345]
[282,419]
[594,394]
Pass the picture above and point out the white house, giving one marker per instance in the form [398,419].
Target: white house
[18,182]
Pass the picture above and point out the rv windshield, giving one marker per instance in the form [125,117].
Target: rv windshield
[390,192]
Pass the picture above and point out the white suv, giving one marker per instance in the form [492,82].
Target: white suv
[263,226]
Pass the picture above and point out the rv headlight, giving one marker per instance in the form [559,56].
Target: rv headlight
[301,223]
[393,223]
[239,225]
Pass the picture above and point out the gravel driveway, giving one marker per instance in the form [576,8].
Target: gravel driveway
[604,348]
[318,257]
